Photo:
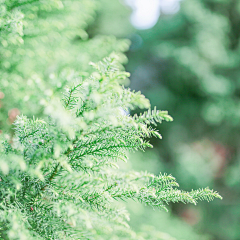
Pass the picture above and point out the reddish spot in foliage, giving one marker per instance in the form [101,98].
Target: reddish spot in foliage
[31,208]
[191,216]
[222,152]
[12,114]
[2,95]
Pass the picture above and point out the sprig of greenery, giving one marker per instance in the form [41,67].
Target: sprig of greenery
[63,182]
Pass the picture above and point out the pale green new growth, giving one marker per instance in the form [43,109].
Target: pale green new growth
[60,178]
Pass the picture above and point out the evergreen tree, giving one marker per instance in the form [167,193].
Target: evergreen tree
[59,170]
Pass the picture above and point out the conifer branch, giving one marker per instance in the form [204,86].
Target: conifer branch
[60,176]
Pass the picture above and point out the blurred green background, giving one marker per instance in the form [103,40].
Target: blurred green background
[188,62]
[184,56]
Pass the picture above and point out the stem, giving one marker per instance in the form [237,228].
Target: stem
[51,177]
[56,169]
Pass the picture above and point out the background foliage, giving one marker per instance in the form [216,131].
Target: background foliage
[189,64]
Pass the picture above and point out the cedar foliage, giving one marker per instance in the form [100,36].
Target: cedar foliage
[59,171]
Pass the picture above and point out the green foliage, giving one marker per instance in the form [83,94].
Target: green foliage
[59,170]
[191,61]
[55,41]
[64,181]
